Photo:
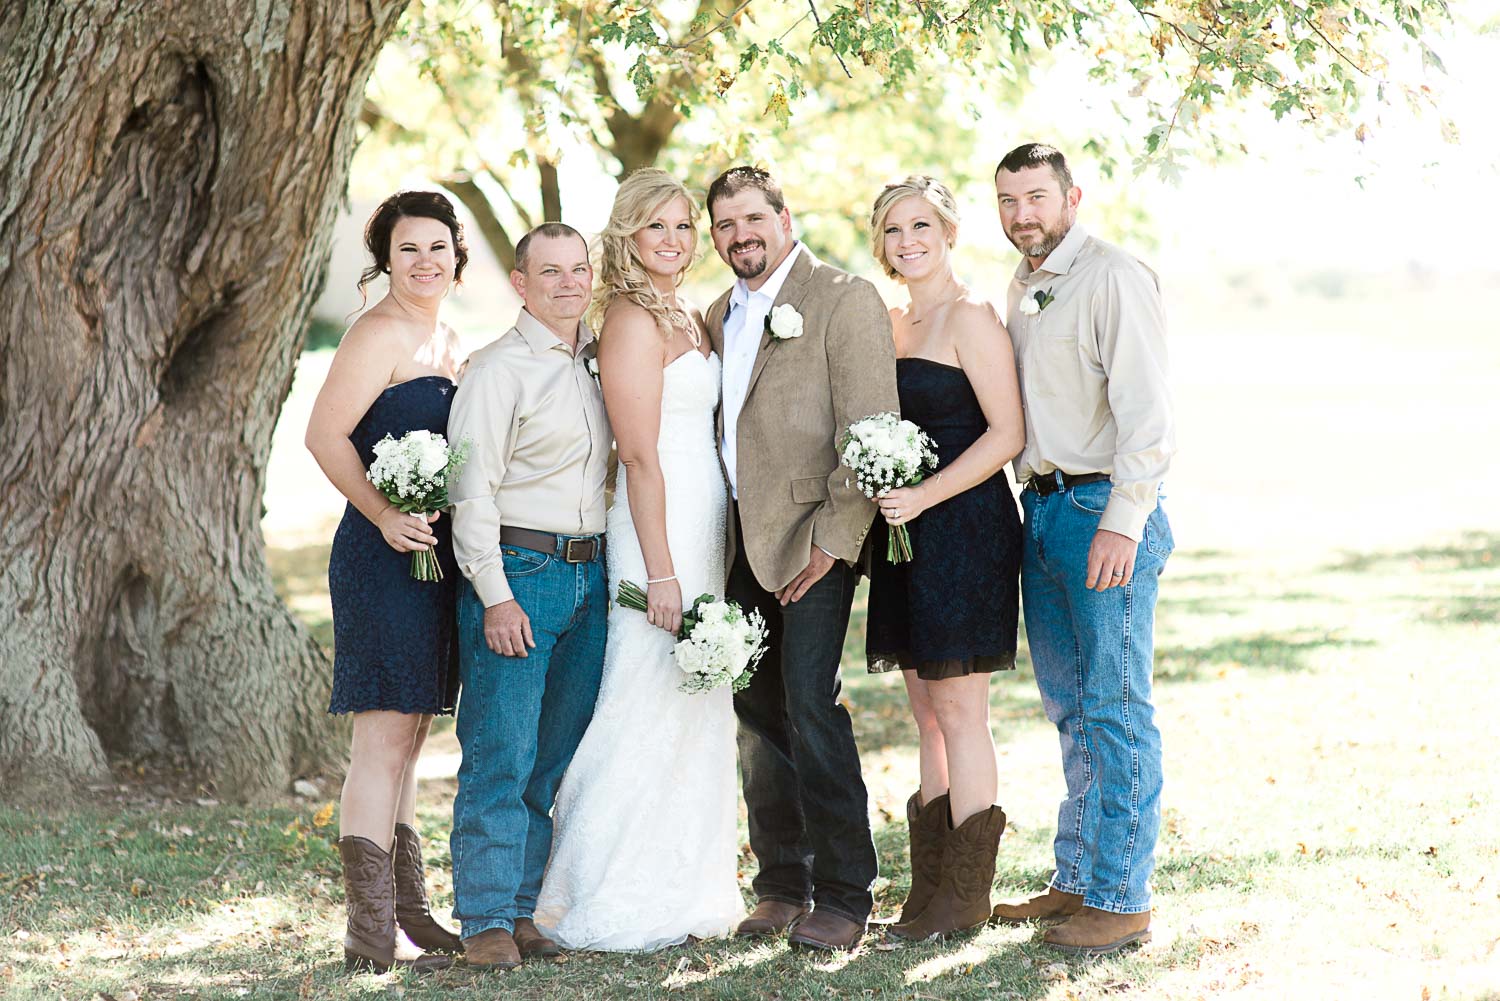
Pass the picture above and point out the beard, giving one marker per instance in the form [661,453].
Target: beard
[748,267]
[1042,240]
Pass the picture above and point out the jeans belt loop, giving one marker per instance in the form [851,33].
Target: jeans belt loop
[1057,475]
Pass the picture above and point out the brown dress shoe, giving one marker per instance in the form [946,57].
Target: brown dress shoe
[827,931]
[532,943]
[1054,905]
[492,949]
[370,902]
[927,826]
[962,898]
[770,917]
[413,914]
[1092,932]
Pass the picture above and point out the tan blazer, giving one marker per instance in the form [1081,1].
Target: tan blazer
[803,393]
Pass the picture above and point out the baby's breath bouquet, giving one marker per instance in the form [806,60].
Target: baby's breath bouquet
[717,645]
[886,452]
[413,473]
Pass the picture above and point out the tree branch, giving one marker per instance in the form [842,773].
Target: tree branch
[812,6]
[465,190]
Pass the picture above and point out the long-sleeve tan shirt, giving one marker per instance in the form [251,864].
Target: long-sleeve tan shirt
[538,447]
[1093,368]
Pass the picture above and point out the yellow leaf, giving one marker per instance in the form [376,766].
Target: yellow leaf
[324,816]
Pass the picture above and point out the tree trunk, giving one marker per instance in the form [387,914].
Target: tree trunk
[171,175]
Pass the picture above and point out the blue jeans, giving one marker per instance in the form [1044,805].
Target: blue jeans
[519,722]
[1092,652]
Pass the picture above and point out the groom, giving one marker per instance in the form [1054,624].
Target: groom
[806,349]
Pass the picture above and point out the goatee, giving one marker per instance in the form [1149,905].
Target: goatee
[751,268]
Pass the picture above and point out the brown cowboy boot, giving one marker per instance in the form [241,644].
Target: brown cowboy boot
[962,898]
[927,826]
[370,899]
[532,943]
[770,917]
[492,949]
[413,914]
[1092,932]
[1054,905]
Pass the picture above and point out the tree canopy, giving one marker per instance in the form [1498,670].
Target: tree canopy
[491,94]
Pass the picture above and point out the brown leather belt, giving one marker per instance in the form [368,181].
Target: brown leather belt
[569,550]
[1048,483]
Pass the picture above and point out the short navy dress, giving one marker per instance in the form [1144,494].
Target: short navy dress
[395,638]
[953,609]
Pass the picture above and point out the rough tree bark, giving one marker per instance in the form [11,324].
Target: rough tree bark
[171,172]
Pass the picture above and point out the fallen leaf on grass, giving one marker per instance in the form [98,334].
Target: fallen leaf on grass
[1054,971]
[889,945]
[137,886]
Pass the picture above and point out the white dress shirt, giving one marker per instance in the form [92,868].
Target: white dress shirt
[743,326]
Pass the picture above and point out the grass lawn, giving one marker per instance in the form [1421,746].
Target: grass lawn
[1330,829]
[1326,687]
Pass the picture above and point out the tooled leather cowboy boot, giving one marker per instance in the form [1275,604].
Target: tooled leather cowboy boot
[962,898]
[413,914]
[927,827]
[370,900]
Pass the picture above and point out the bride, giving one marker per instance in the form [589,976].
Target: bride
[644,853]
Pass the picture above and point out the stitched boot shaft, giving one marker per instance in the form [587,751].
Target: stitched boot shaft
[927,827]
[962,899]
[369,899]
[412,911]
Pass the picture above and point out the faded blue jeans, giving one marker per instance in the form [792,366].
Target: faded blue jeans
[519,722]
[1092,653]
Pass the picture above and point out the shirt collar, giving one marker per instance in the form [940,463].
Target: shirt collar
[538,338]
[740,294]
[1062,257]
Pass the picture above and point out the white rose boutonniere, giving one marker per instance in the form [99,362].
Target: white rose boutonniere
[1031,305]
[591,365]
[784,323]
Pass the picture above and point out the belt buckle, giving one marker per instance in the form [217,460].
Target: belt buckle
[568,555]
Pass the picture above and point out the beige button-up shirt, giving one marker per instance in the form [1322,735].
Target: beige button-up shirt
[538,447]
[1093,368]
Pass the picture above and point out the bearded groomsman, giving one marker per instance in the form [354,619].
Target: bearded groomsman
[1089,333]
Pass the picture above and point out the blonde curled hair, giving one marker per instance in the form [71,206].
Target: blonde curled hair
[620,270]
[930,190]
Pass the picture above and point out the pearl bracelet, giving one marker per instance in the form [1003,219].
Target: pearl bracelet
[660,580]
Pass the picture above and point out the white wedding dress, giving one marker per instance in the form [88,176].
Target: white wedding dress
[645,845]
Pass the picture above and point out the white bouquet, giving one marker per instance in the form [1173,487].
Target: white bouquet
[718,643]
[413,473]
[886,452]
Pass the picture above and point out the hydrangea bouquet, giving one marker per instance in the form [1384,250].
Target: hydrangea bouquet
[718,643]
[413,473]
[886,452]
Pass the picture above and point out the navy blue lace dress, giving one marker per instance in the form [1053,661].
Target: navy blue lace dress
[395,638]
[952,610]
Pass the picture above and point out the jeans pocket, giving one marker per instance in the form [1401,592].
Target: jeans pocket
[1091,498]
[523,562]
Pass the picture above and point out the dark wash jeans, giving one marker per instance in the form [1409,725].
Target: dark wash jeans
[809,813]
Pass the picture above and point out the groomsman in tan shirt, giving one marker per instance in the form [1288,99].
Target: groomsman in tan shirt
[528,533]
[1087,325]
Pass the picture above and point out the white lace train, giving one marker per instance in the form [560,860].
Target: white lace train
[644,850]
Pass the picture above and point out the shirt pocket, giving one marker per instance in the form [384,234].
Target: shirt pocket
[810,490]
[1052,364]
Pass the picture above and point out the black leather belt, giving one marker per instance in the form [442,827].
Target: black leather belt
[569,550]
[1048,484]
